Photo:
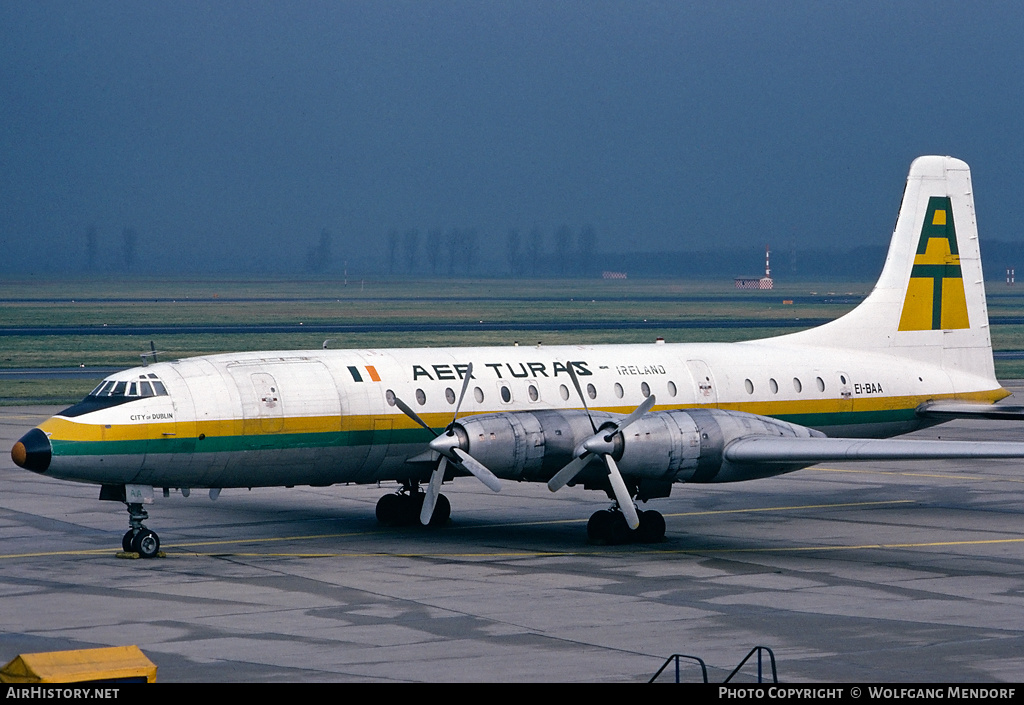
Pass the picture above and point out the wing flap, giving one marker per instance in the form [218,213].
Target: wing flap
[966,410]
[778,449]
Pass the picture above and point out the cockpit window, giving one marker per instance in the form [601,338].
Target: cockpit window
[111,392]
[147,386]
[103,389]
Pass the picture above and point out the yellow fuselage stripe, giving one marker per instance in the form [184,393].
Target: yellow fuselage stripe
[65,429]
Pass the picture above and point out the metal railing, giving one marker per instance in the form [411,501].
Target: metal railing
[759,650]
[675,658]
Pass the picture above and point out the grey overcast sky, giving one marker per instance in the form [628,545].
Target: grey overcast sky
[236,131]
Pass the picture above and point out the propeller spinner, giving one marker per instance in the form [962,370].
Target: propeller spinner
[602,445]
[448,445]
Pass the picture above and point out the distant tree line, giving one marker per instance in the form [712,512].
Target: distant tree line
[459,252]
[318,257]
[456,252]
[128,254]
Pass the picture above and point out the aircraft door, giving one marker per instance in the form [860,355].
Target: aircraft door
[845,391]
[268,404]
[261,402]
[171,439]
[377,451]
[705,392]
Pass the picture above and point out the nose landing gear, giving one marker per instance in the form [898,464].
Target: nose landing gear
[139,539]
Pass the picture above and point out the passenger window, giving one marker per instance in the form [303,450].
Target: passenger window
[532,391]
[449,395]
[421,397]
[749,386]
[506,394]
[563,391]
[478,394]
[774,386]
[798,385]
[645,389]
[592,391]
[672,389]
[821,384]
[618,390]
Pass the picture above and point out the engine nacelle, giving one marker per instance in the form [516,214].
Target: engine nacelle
[719,427]
[660,447]
[527,445]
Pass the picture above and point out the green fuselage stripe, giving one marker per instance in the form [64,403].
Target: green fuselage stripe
[341,439]
[230,444]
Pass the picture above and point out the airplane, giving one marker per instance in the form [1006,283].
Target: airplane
[628,420]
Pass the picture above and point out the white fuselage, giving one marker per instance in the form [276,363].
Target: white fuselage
[324,417]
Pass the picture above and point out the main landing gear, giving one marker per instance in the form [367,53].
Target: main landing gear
[609,527]
[403,508]
[139,539]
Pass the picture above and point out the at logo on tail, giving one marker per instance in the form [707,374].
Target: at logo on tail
[935,295]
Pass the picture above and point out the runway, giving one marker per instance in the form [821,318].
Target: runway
[862,572]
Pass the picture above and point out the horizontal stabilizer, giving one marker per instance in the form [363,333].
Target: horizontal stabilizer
[778,449]
[947,410]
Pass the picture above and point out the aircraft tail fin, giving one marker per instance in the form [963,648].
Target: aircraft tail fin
[929,302]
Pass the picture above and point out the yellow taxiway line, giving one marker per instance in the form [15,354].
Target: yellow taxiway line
[524,554]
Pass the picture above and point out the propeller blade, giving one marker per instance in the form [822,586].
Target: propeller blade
[637,413]
[471,465]
[566,474]
[462,394]
[433,490]
[621,493]
[579,392]
[413,415]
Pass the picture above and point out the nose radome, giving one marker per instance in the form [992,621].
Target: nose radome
[32,451]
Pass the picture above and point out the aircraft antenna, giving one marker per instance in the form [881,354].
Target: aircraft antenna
[150,356]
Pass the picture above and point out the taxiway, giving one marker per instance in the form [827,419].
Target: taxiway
[860,572]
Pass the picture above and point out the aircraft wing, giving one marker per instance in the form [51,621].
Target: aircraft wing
[778,449]
[966,410]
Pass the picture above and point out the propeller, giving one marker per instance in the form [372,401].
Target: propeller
[447,445]
[602,445]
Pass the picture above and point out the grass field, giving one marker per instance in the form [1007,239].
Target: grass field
[59,303]
[94,303]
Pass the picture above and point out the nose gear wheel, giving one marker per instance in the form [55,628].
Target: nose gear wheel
[139,539]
